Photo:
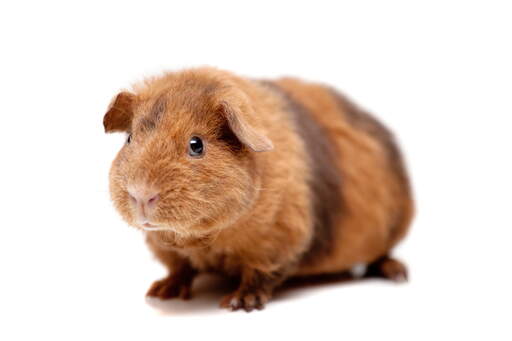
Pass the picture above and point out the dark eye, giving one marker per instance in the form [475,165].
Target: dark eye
[129,139]
[195,146]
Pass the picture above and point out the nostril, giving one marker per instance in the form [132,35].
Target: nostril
[153,199]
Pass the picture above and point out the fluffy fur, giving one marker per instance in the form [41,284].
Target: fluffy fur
[294,181]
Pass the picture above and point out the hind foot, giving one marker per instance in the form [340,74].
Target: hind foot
[387,267]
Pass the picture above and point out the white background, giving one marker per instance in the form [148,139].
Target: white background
[439,73]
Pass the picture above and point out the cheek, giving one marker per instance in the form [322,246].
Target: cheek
[229,194]
[118,194]
[227,185]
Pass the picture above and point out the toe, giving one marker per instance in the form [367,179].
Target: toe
[185,292]
[394,270]
[231,302]
[155,289]
[249,302]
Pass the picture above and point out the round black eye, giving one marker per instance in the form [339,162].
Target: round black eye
[195,146]
[129,139]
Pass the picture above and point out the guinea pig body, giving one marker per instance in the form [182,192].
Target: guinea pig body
[258,180]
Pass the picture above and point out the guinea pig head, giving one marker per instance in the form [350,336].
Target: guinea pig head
[188,164]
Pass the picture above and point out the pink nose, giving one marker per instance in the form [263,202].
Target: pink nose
[143,197]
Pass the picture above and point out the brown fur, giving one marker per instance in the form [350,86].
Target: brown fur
[293,181]
[325,180]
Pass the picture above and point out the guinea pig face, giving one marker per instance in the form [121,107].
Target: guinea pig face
[188,162]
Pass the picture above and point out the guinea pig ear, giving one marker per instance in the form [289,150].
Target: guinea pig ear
[120,113]
[238,121]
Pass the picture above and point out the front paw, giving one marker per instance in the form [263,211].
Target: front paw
[170,287]
[247,300]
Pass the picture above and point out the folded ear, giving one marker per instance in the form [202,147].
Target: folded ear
[120,113]
[242,121]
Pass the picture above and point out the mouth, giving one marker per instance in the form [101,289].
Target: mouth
[150,227]
[156,228]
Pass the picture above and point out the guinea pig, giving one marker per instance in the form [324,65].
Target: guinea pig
[256,180]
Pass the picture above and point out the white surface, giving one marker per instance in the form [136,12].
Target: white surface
[438,73]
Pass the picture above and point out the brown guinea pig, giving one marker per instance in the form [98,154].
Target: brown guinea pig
[256,180]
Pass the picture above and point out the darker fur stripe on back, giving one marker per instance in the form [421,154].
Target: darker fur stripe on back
[361,120]
[325,183]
